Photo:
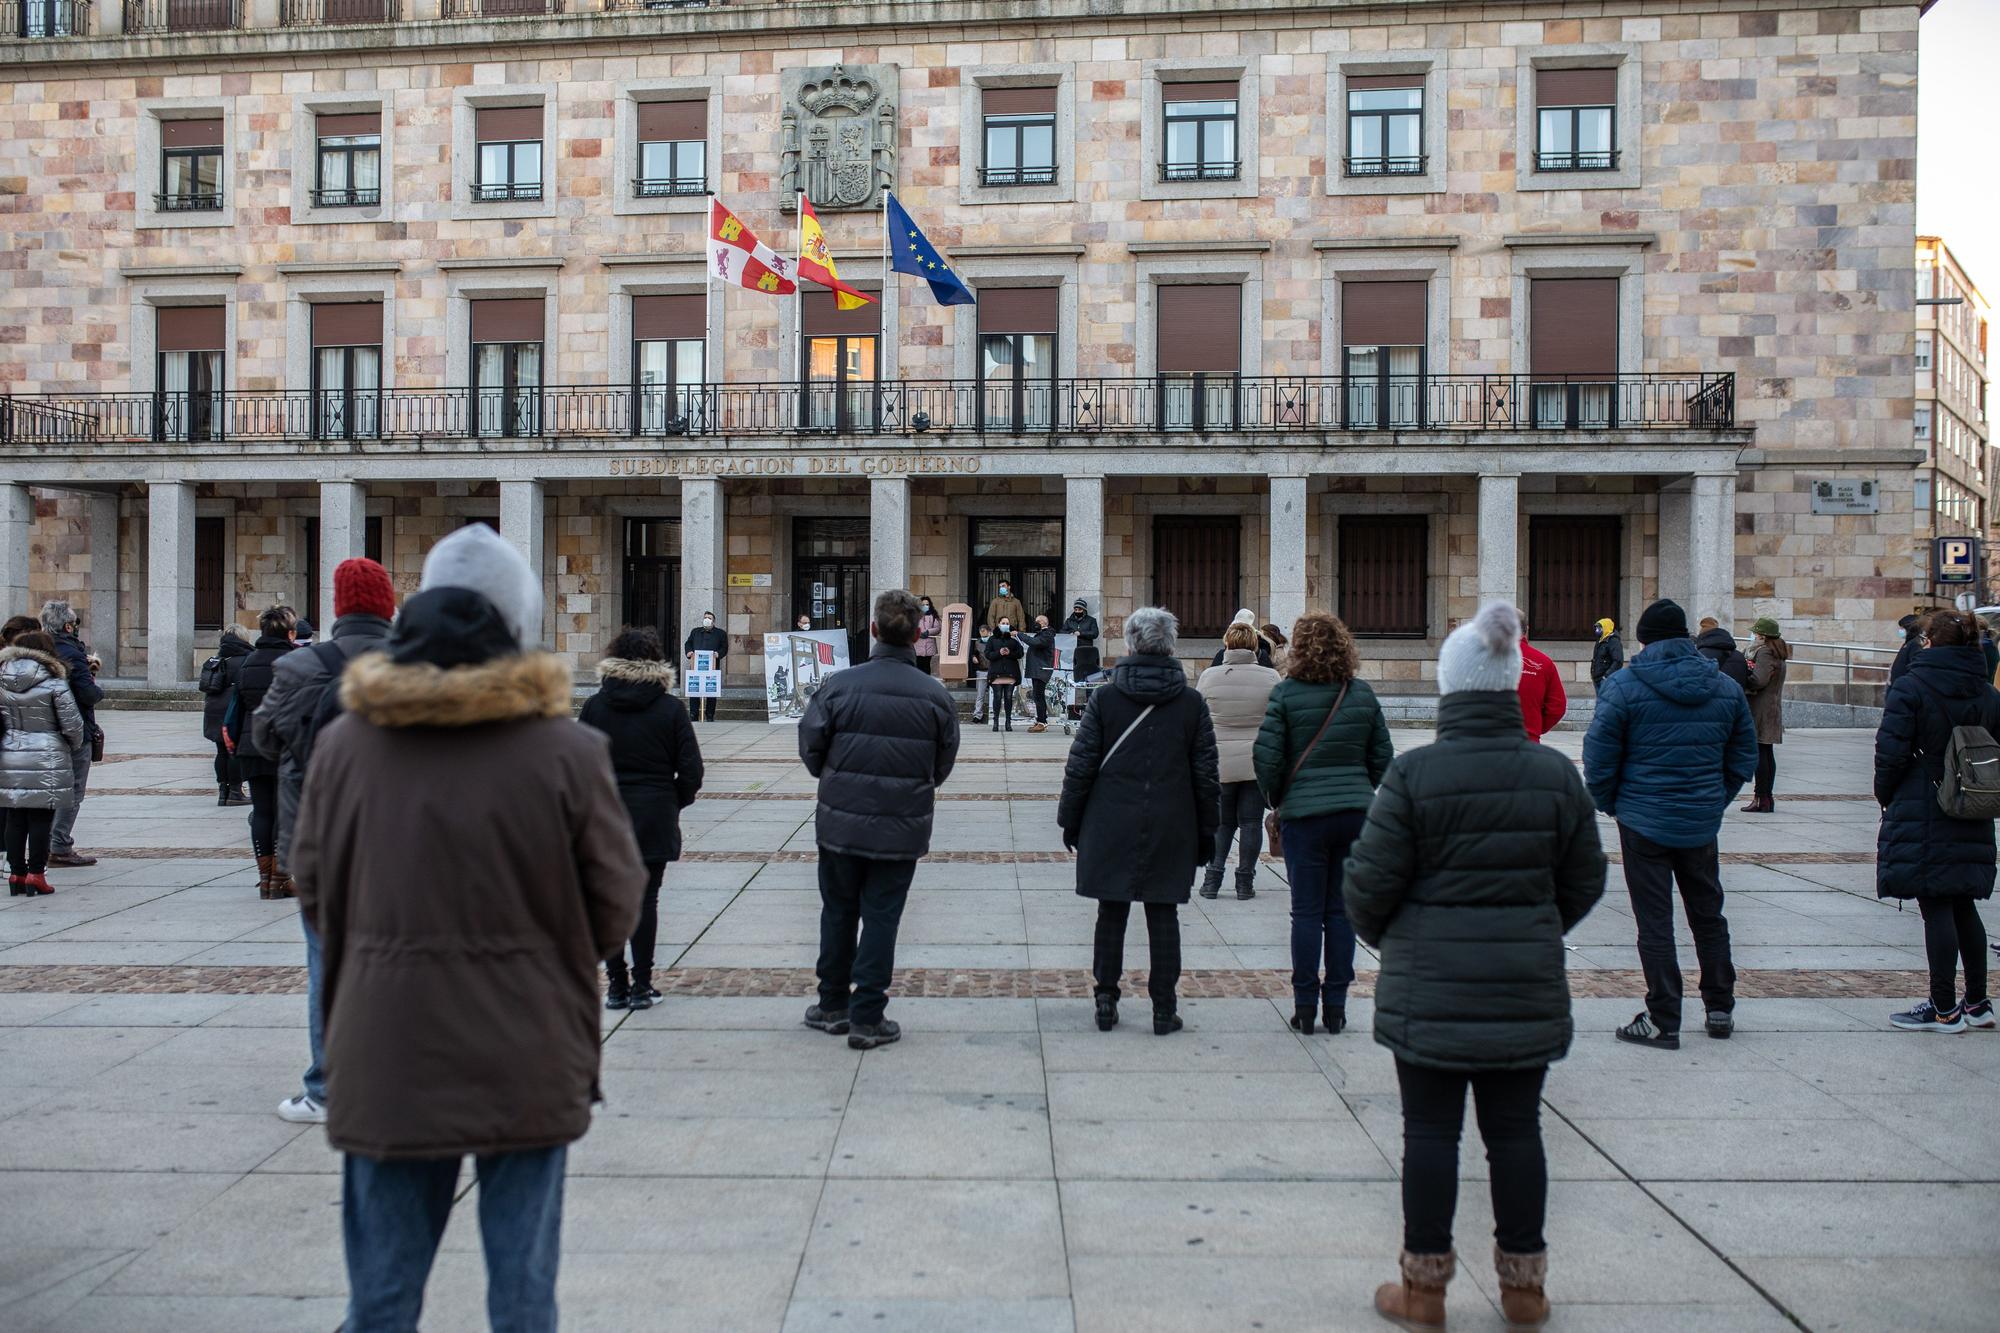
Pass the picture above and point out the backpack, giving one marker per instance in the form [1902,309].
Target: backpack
[1971,785]
[334,658]
[214,676]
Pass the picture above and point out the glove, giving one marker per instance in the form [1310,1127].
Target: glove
[1204,848]
[1069,839]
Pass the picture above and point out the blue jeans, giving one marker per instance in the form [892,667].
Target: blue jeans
[315,1079]
[1314,849]
[393,1214]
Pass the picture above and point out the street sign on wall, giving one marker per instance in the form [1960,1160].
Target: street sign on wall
[1846,495]
[1955,560]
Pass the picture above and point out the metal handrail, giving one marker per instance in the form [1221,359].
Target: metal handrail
[1852,673]
[182,15]
[30,20]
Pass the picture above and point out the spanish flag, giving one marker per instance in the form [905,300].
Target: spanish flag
[816,261]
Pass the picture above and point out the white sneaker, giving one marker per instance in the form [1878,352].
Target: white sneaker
[302,1110]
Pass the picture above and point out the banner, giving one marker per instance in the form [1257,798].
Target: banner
[955,643]
[704,680]
[796,664]
[1062,681]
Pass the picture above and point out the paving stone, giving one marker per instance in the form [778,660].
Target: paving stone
[959,1240]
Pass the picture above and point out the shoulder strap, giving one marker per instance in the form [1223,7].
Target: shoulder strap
[1123,734]
[336,660]
[1338,700]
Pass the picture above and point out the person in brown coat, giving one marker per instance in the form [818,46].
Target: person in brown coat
[1766,689]
[463,852]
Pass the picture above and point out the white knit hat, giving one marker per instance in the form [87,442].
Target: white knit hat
[479,558]
[1482,654]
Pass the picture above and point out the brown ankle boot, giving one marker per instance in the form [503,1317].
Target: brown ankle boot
[1521,1279]
[281,882]
[267,870]
[1418,1300]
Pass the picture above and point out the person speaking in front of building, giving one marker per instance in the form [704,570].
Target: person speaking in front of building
[1139,806]
[707,637]
[1479,855]
[1669,747]
[881,738]
[466,860]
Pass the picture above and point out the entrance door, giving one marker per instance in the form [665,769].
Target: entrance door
[830,578]
[1027,554]
[653,579]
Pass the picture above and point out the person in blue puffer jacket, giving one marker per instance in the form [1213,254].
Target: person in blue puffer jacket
[1670,746]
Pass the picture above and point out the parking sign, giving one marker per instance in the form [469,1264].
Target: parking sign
[1956,559]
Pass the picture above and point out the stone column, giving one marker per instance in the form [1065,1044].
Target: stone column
[1676,502]
[343,534]
[888,534]
[1288,551]
[17,520]
[705,560]
[1083,548]
[521,523]
[100,622]
[1499,536]
[1711,541]
[169,583]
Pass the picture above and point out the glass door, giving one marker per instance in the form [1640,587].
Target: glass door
[830,578]
[189,402]
[347,387]
[506,388]
[841,384]
[1018,392]
[1027,555]
[669,374]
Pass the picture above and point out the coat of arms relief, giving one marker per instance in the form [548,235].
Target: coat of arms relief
[840,135]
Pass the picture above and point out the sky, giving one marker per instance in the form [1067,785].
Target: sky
[1958,123]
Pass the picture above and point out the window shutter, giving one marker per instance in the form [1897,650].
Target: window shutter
[1383,564]
[1576,87]
[508,320]
[206,133]
[1364,82]
[1573,327]
[348,122]
[1383,314]
[1019,101]
[209,580]
[672,122]
[192,328]
[1215,90]
[1200,327]
[1573,571]
[1018,309]
[507,124]
[1196,571]
[825,320]
[656,318]
[347,324]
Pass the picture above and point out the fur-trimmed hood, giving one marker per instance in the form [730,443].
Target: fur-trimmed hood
[23,678]
[417,694]
[636,671]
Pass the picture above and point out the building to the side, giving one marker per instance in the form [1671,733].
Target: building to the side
[1382,309]
[1955,480]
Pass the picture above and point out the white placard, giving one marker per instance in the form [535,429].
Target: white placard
[796,664]
[704,680]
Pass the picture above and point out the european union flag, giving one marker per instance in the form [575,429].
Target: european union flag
[910,251]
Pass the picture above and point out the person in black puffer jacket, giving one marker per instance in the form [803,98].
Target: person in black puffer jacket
[658,763]
[881,738]
[217,686]
[1140,803]
[1946,864]
[260,770]
[1718,645]
[1479,853]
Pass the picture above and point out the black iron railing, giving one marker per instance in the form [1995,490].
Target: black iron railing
[996,177]
[357,198]
[1384,166]
[1200,171]
[1164,405]
[333,13]
[487,193]
[617,5]
[668,187]
[1605,161]
[29,19]
[182,15]
[207,202]
[499,9]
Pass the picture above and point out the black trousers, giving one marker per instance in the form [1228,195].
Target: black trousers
[225,767]
[1242,820]
[1041,699]
[264,815]
[1163,937]
[1508,1103]
[1952,931]
[27,836]
[702,710]
[1767,770]
[861,906]
[1651,871]
[1003,703]
[646,932]
[927,663]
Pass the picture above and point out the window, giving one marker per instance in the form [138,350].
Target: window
[1196,571]
[1017,357]
[1382,334]
[1573,569]
[210,579]
[507,366]
[1923,351]
[510,153]
[1573,352]
[1020,136]
[349,174]
[53,18]
[189,343]
[673,150]
[1576,119]
[668,364]
[840,373]
[1201,132]
[190,165]
[1383,567]
[347,370]
[1199,342]
[1923,422]
[1923,495]
[1385,125]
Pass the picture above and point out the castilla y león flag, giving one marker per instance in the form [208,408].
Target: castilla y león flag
[816,261]
[737,257]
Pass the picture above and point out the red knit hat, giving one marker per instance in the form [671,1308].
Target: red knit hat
[362,587]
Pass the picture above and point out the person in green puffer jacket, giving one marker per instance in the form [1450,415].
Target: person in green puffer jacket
[1481,852]
[1320,807]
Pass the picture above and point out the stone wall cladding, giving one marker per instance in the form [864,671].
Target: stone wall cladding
[1778,162]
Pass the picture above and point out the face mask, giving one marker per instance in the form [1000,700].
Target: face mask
[708,622]
[804,623]
[1003,590]
[1005,627]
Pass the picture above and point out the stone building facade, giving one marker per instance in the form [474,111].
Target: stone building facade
[1955,482]
[1713,211]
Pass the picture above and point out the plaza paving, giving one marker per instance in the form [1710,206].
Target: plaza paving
[1006,1167]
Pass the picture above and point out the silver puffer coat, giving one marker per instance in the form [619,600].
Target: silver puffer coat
[44,727]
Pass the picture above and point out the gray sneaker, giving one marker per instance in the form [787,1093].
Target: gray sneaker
[822,1021]
[1719,1024]
[867,1036]
[1641,1032]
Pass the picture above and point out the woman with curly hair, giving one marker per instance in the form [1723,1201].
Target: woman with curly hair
[1320,754]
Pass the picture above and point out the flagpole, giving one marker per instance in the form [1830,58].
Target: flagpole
[708,330]
[799,290]
[894,346]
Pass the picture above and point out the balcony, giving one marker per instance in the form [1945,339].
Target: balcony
[668,187]
[1002,177]
[505,191]
[157,16]
[188,203]
[28,20]
[1166,405]
[1384,166]
[356,198]
[1180,172]
[1598,161]
[335,13]
[498,9]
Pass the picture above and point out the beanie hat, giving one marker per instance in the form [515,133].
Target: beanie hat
[1663,620]
[481,560]
[1767,627]
[1482,654]
[362,588]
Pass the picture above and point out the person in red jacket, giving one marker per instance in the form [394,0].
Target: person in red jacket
[1543,702]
